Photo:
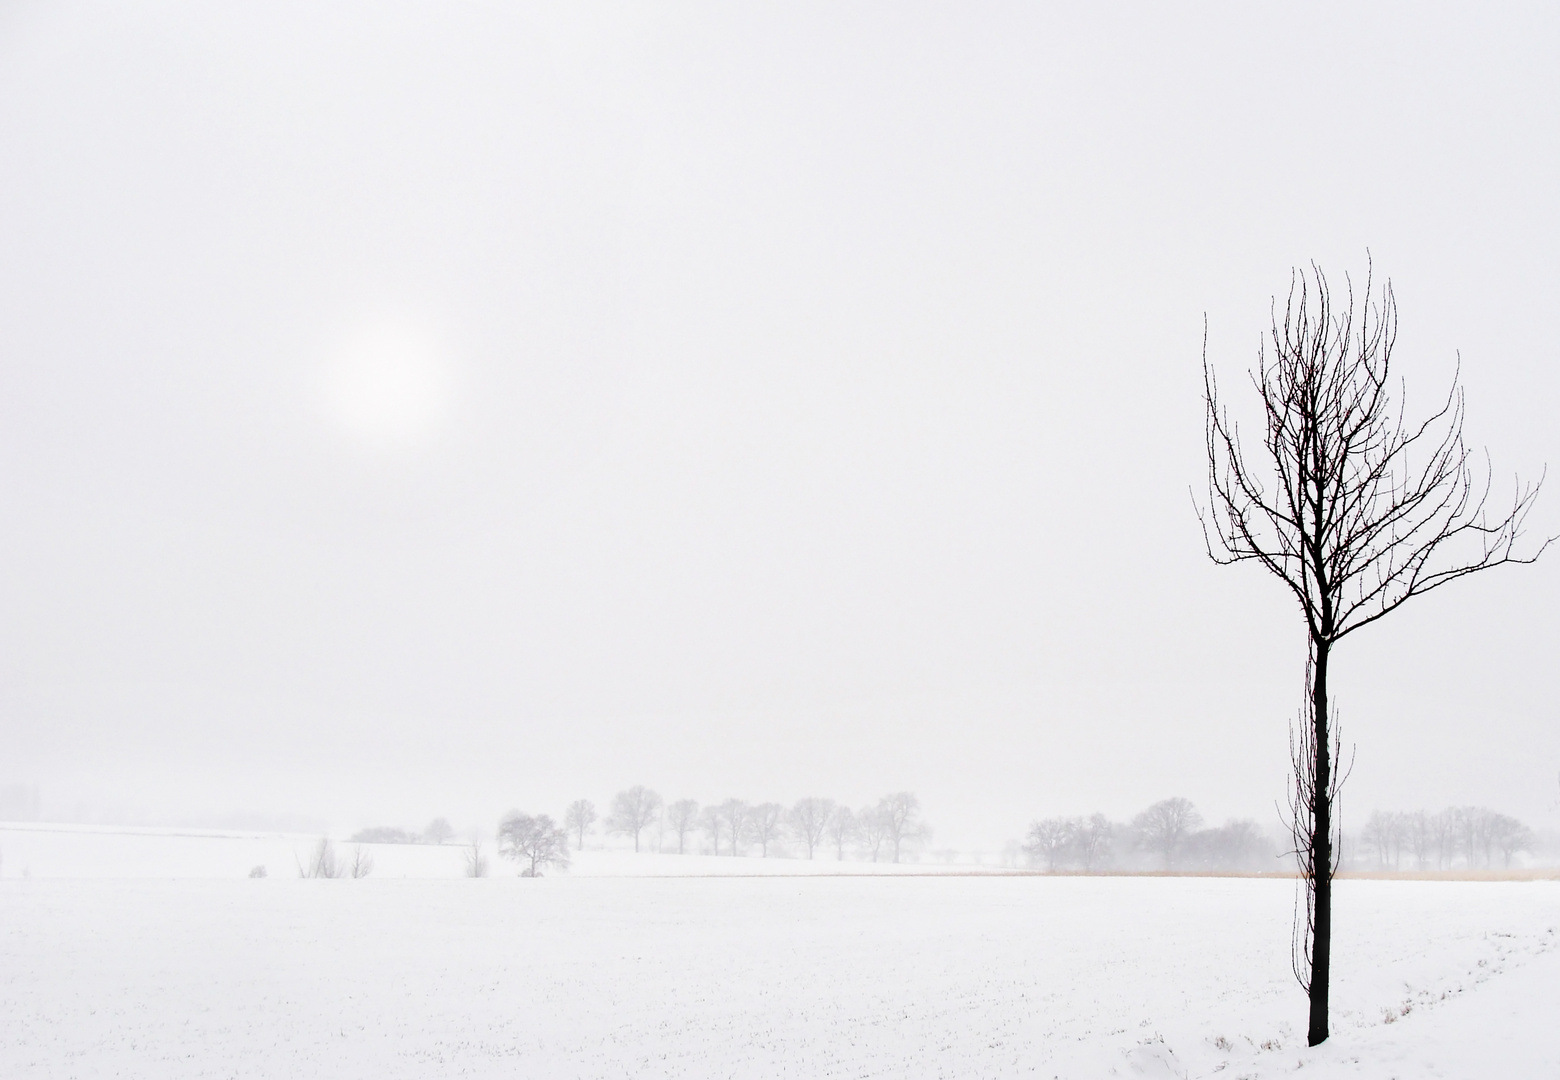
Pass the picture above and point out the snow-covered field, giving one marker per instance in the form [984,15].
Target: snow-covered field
[81,851]
[816,976]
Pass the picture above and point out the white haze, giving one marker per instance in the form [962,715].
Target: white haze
[436,408]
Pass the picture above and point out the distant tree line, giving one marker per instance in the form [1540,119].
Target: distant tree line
[1465,837]
[889,830]
[1168,835]
[439,831]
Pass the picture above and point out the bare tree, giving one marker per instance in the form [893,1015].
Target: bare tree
[713,822]
[1443,832]
[578,817]
[902,822]
[764,822]
[362,862]
[842,829]
[658,824]
[322,861]
[734,812]
[1235,845]
[1048,840]
[1355,510]
[632,811]
[1417,834]
[439,831]
[1094,842]
[682,816]
[534,841]
[808,820]
[1166,825]
[476,858]
[1467,826]
[1376,836]
[1509,836]
[872,829]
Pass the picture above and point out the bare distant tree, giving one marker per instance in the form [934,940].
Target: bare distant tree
[476,858]
[872,828]
[808,819]
[764,825]
[322,861]
[1443,834]
[533,841]
[902,822]
[658,826]
[735,814]
[1388,833]
[1166,825]
[682,816]
[1509,837]
[362,862]
[439,831]
[1417,835]
[1397,838]
[1050,840]
[713,822]
[1469,828]
[1482,829]
[632,811]
[1355,510]
[1093,841]
[578,817]
[1235,845]
[1376,836]
[842,829]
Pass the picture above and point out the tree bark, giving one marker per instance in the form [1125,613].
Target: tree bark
[1321,853]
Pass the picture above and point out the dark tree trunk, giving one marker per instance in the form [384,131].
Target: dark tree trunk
[1321,853]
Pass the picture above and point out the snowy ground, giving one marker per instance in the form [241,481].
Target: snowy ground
[85,851]
[892,976]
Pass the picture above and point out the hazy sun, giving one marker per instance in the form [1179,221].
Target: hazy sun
[387,384]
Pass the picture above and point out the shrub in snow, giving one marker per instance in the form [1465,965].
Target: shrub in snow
[383,834]
[322,862]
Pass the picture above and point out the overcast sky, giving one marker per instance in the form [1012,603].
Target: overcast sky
[441,408]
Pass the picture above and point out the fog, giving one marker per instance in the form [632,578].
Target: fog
[414,409]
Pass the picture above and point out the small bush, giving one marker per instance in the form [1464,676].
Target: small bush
[383,834]
[257,872]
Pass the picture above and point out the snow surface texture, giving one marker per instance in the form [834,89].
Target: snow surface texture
[819,976]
